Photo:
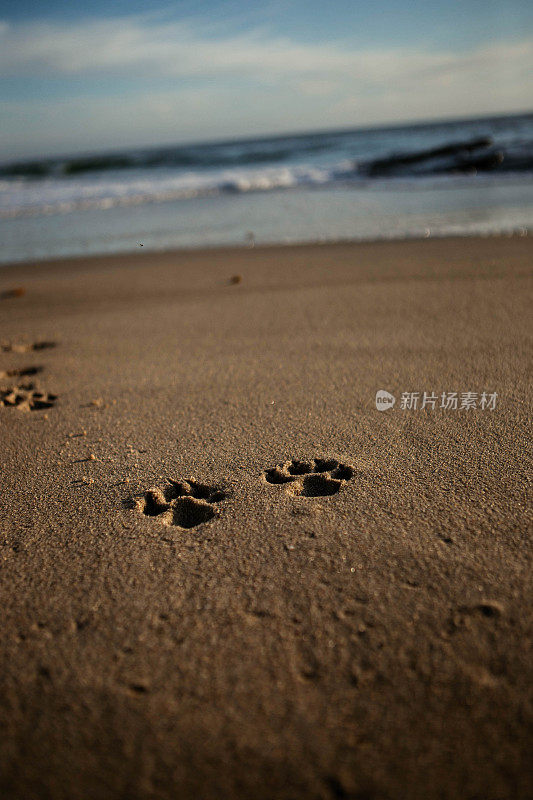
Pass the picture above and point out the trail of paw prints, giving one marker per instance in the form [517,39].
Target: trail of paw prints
[319,477]
[26,397]
[185,504]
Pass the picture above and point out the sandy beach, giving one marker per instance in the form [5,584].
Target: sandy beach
[224,572]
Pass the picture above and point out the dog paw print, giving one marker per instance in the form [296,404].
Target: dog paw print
[26,397]
[185,504]
[319,477]
[25,347]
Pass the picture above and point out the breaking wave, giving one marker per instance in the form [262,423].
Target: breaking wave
[155,175]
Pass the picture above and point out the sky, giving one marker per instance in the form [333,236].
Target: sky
[82,77]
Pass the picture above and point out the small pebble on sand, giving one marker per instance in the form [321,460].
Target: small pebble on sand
[18,291]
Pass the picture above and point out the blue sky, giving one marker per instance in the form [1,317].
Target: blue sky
[78,77]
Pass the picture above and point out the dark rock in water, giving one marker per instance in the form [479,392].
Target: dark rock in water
[482,163]
[447,158]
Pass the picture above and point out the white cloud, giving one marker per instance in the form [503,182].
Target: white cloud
[140,46]
[244,84]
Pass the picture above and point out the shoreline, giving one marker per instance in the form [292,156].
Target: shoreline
[236,249]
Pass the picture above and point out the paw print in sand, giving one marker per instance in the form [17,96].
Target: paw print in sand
[26,397]
[185,504]
[319,477]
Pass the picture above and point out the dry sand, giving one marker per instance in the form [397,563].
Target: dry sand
[369,641]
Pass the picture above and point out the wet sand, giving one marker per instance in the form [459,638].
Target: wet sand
[317,599]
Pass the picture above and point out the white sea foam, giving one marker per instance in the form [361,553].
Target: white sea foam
[62,195]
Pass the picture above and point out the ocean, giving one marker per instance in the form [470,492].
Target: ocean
[460,177]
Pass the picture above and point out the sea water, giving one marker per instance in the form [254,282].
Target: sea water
[461,178]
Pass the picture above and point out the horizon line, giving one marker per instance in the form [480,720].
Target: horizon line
[272,136]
